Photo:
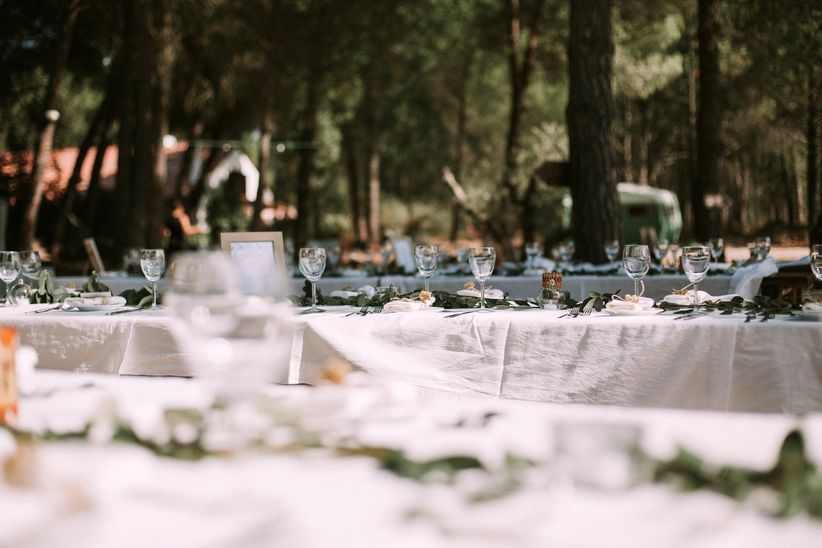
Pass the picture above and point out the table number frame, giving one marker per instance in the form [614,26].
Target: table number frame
[275,239]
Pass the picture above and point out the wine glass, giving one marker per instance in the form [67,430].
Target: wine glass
[661,248]
[312,266]
[153,263]
[716,245]
[9,269]
[695,260]
[816,261]
[636,260]
[611,250]
[763,247]
[230,320]
[30,263]
[531,253]
[427,257]
[566,253]
[481,260]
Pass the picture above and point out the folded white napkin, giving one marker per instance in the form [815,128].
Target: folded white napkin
[746,280]
[624,306]
[816,308]
[368,290]
[344,293]
[92,301]
[688,299]
[95,295]
[489,293]
[405,306]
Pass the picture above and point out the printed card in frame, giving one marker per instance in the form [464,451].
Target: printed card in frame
[255,250]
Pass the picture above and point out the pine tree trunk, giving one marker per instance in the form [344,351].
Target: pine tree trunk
[708,118]
[98,121]
[374,196]
[45,139]
[595,213]
[306,166]
[812,148]
[353,178]
[264,167]
[93,193]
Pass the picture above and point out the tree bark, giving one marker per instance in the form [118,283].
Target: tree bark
[708,118]
[812,147]
[374,195]
[93,194]
[459,144]
[99,120]
[306,166]
[352,173]
[264,166]
[42,152]
[595,213]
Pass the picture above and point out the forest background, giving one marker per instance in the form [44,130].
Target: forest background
[438,119]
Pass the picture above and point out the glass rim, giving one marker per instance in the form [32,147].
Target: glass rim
[482,249]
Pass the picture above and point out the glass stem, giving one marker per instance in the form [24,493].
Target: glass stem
[313,294]
[154,294]
[636,286]
[696,295]
[482,294]
[426,283]
[6,301]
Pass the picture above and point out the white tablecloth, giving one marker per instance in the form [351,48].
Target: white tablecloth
[716,363]
[117,495]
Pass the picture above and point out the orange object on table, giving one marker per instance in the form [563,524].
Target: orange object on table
[8,374]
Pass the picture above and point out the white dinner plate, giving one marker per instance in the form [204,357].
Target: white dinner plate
[94,307]
[643,312]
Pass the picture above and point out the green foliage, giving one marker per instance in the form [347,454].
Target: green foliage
[763,307]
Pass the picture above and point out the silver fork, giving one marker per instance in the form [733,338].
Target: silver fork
[574,312]
[377,309]
[361,311]
[589,307]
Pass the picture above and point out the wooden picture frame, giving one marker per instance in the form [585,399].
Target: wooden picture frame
[255,247]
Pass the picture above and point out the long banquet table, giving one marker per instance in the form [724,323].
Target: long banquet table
[100,494]
[518,287]
[712,362]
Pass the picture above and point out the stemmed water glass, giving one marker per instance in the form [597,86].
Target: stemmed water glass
[716,245]
[531,253]
[9,269]
[30,263]
[426,257]
[566,253]
[153,264]
[695,260]
[636,260]
[611,250]
[763,247]
[816,261]
[481,260]
[312,266]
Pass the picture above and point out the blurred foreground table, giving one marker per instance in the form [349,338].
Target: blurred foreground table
[103,494]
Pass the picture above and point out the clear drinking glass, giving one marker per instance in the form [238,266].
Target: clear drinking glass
[612,250]
[816,261]
[532,250]
[153,263]
[695,260]
[481,260]
[30,263]
[716,245]
[312,266]
[566,253]
[763,247]
[427,257]
[636,260]
[9,269]
[661,249]
[231,320]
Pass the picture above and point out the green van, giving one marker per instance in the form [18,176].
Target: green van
[642,207]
